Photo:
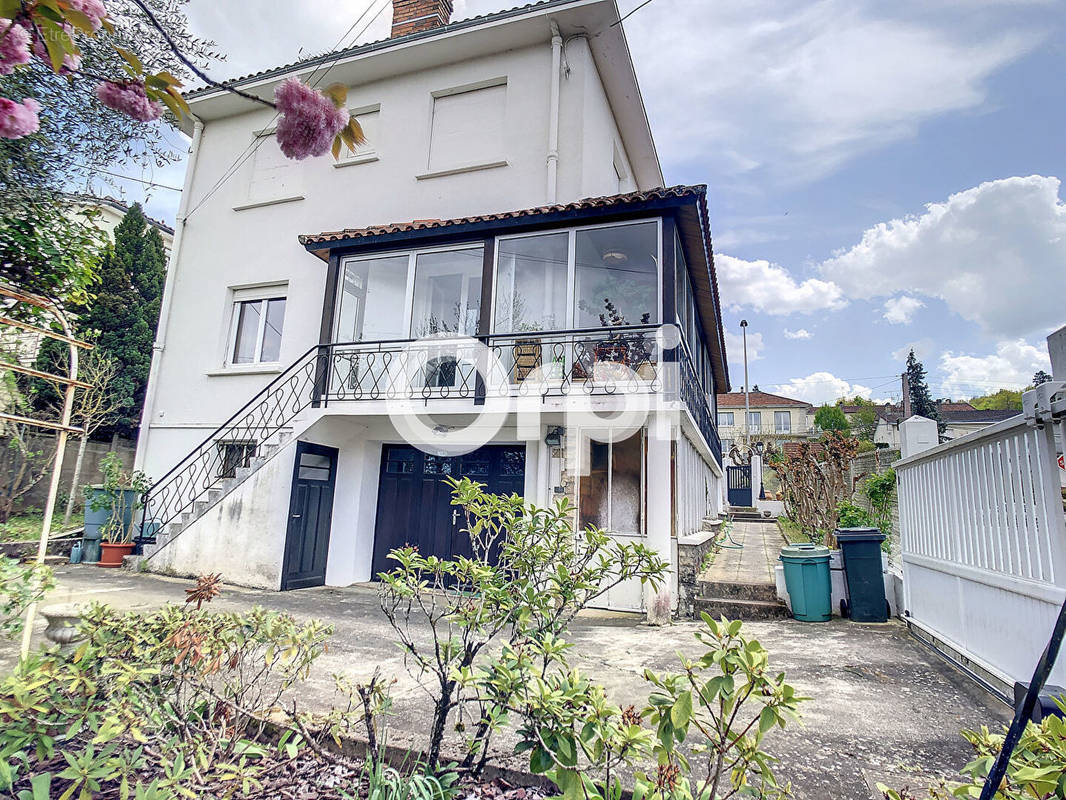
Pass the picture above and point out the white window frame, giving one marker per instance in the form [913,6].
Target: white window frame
[724,424]
[245,199]
[409,288]
[476,164]
[787,416]
[571,266]
[367,153]
[277,291]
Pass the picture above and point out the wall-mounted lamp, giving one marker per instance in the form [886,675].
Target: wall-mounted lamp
[554,436]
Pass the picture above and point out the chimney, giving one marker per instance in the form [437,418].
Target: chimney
[412,16]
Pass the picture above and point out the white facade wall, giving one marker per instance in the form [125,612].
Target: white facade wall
[229,246]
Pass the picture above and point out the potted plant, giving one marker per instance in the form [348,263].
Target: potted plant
[110,510]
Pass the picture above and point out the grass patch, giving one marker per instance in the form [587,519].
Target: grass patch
[791,531]
[24,527]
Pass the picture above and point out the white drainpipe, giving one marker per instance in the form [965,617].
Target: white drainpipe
[168,295]
[553,118]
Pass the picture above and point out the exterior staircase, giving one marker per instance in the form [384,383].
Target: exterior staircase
[210,498]
[746,514]
[744,601]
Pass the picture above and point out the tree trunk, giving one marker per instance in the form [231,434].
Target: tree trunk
[74,481]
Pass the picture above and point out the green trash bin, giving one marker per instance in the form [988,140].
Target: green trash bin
[860,550]
[807,579]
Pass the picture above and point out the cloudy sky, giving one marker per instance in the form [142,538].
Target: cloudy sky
[882,176]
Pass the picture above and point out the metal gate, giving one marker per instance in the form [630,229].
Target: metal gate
[738,480]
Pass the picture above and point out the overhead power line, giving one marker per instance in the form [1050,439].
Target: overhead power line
[257,142]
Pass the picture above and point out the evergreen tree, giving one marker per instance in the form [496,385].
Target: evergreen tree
[123,316]
[1041,377]
[922,402]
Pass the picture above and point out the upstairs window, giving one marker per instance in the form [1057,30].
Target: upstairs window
[782,422]
[725,419]
[269,177]
[257,325]
[468,126]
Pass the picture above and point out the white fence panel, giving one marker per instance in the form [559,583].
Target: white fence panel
[984,546]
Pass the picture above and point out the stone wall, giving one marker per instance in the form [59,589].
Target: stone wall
[861,467]
[691,550]
[44,445]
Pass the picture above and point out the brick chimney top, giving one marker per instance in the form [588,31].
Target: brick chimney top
[411,16]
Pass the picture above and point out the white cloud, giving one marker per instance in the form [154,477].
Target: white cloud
[802,333]
[799,89]
[1011,367]
[819,388]
[734,346]
[900,310]
[770,288]
[993,253]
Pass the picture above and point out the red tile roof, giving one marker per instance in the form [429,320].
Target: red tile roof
[610,201]
[755,399]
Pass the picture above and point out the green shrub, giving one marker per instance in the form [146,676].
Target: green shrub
[1037,768]
[20,586]
[155,705]
[529,575]
[720,706]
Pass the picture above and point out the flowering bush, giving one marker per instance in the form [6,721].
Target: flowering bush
[14,46]
[129,98]
[18,119]
[310,121]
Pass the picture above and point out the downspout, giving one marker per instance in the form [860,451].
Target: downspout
[553,114]
[168,296]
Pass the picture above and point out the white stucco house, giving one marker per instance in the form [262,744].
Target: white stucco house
[475,292]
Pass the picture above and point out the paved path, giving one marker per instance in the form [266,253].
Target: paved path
[881,704]
[754,562]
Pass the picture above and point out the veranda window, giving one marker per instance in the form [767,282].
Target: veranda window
[373,295]
[617,275]
[590,277]
[531,283]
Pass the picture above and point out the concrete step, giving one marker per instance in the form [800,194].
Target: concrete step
[747,610]
[133,562]
[724,590]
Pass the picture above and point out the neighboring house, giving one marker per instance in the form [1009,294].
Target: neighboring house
[109,213]
[960,418]
[772,418]
[538,230]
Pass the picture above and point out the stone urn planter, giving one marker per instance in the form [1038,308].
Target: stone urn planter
[63,621]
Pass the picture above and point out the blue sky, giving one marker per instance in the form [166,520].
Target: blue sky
[881,176]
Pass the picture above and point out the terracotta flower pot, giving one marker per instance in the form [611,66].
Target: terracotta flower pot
[111,555]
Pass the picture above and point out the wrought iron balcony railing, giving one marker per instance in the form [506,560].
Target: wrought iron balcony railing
[694,396]
[613,361]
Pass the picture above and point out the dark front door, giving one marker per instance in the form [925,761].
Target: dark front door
[310,512]
[738,482]
[414,503]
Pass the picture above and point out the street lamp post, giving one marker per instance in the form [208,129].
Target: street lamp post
[747,409]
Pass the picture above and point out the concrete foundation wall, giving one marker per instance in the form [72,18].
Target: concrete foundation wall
[242,536]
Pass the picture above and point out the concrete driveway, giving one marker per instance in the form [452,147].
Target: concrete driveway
[882,708]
